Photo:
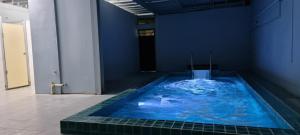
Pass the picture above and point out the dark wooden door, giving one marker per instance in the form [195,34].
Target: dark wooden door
[147,50]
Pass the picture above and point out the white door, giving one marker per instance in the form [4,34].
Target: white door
[15,55]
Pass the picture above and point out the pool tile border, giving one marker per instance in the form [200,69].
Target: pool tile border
[285,111]
[84,124]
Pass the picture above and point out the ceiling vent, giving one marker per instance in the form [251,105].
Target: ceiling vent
[131,6]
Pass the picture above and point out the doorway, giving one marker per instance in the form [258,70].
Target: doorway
[147,50]
[15,57]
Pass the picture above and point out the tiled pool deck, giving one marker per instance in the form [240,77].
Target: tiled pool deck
[83,123]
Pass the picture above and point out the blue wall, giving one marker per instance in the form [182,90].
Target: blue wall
[277,43]
[224,31]
[119,42]
[44,46]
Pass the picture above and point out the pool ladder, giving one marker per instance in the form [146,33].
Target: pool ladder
[192,67]
[210,65]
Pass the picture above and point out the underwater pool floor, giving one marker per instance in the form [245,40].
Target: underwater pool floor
[223,100]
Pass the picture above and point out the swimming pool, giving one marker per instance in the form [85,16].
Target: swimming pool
[223,100]
[178,105]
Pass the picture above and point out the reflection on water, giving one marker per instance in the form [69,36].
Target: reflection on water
[198,86]
[225,100]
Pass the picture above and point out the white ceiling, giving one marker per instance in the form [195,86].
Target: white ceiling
[20,3]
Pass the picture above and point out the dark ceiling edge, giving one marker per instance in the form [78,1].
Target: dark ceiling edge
[204,9]
[234,3]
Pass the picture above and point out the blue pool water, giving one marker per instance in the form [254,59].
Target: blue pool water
[223,100]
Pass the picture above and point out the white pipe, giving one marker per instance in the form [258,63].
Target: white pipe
[54,85]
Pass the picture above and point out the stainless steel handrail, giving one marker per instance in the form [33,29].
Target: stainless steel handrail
[192,66]
[210,65]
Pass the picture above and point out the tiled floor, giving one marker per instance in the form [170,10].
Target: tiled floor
[24,113]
